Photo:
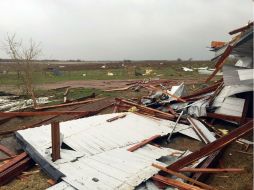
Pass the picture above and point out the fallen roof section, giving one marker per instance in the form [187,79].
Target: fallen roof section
[97,155]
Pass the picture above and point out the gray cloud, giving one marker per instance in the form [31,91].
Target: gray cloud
[123,29]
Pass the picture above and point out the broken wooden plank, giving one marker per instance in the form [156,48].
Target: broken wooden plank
[224,117]
[25,114]
[241,29]
[212,170]
[13,161]
[175,183]
[143,143]
[85,114]
[221,61]
[7,151]
[69,104]
[210,161]
[15,170]
[203,91]
[212,147]
[146,109]
[203,185]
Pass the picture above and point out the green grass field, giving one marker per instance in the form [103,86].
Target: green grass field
[121,73]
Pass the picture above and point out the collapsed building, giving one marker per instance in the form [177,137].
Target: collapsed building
[126,149]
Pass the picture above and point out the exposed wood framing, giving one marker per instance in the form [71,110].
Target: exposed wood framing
[224,117]
[55,138]
[14,168]
[212,147]
[202,91]
[13,161]
[203,185]
[86,114]
[147,109]
[175,183]
[7,151]
[212,170]
[241,29]
[245,108]
[210,161]
[69,104]
[41,113]
[143,143]
[221,62]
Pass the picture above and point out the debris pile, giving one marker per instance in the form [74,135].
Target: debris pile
[130,148]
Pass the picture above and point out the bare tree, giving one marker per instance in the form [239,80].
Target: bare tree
[24,58]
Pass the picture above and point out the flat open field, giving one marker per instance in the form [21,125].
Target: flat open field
[98,75]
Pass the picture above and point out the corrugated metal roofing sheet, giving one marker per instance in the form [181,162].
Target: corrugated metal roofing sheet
[99,159]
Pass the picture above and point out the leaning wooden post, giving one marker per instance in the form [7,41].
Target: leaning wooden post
[55,138]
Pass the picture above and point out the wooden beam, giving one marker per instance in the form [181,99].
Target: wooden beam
[143,143]
[26,114]
[224,117]
[203,91]
[13,161]
[15,170]
[212,170]
[85,114]
[213,146]
[175,183]
[210,161]
[55,138]
[221,61]
[241,29]
[7,151]
[203,185]
[146,109]
[69,104]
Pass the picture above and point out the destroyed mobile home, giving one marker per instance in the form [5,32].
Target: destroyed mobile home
[125,149]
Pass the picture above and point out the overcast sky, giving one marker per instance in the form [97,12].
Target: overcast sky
[123,29]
